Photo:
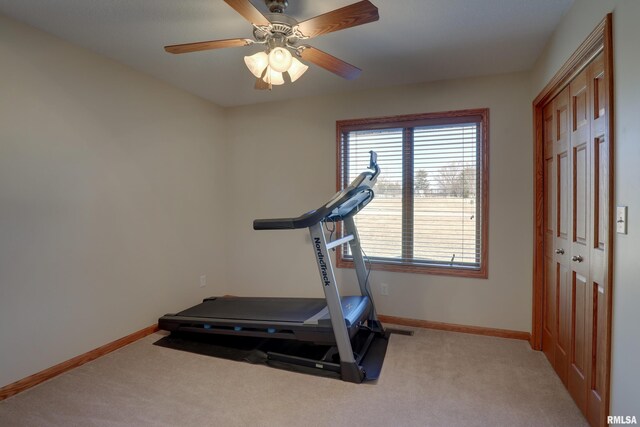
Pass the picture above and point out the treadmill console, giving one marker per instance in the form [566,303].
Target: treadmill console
[344,204]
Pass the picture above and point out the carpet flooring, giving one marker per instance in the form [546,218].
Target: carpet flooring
[433,378]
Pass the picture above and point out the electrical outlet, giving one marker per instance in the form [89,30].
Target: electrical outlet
[384,289]
[203,281]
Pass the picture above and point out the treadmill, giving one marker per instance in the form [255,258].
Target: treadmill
[351,340]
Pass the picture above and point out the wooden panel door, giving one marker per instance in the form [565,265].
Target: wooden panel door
[576,233]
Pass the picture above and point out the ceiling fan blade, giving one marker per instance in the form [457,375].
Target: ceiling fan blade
[248,11]
[214,44]
[359,13]
[330,63]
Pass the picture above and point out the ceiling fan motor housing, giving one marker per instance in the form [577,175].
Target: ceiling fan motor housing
[281,28]
[276,6]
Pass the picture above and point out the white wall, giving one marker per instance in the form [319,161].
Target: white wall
[282,163]
[111,200]
[574,28]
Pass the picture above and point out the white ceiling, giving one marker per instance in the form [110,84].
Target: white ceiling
[414,40]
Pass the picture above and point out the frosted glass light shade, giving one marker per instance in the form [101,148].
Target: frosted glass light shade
[280,59]
[297,69]
[273,77]
[256,63]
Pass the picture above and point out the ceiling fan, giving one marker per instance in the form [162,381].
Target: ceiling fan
[282,37]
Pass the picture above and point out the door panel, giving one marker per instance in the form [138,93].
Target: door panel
[579,353]
[597,367]
[581,232]
[549,326]
[597,385]
[600,191]
[563,322]
[580,114]
[549,315]
[557,342]
[580,183]
[562,198]
[599,250]
[549,222]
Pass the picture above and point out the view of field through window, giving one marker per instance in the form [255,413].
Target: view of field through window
[443,225]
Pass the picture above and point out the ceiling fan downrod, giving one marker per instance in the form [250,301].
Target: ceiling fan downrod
[276,6]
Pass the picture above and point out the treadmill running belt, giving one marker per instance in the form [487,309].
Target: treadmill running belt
[263,309]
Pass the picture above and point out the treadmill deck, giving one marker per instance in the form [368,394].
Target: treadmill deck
[306,319]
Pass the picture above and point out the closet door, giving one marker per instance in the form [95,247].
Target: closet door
[576,245]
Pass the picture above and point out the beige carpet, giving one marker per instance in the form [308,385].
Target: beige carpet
[431,379]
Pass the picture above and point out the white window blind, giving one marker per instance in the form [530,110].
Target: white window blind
[427,209]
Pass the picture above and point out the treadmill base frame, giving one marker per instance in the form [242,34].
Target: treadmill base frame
[322,360]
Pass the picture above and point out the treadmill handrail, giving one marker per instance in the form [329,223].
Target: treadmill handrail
[360,190]
[310,218]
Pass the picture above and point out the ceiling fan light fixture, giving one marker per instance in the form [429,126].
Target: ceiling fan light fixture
[256,63]
[260,66]
[280,59]
[297,69]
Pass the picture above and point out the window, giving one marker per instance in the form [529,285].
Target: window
[429,214]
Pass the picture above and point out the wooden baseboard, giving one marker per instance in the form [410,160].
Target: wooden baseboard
[476,330]
[35,379]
